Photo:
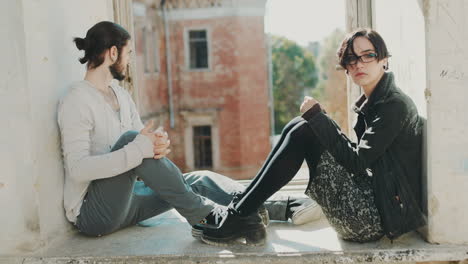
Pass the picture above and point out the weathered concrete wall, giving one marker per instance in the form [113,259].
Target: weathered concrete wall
[428,41]
[40,62]
[19,219]
[447,82]
[401,24]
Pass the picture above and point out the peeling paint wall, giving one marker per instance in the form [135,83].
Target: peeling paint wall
[41,60]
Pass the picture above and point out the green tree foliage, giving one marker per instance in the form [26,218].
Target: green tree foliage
[294,70]
[331,88]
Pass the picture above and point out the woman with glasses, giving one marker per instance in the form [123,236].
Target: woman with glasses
[367,188]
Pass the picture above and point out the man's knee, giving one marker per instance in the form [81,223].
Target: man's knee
[130,135]
[124,139]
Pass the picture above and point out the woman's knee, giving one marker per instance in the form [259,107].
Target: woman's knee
[300,131]
[291,124]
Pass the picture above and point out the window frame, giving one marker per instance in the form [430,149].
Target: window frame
[187,48]
[194,135]
[208,118]
[151,53]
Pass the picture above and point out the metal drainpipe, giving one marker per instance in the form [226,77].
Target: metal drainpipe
[270,85]
[168,64]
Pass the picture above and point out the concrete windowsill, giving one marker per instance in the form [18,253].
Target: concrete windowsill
[168,240]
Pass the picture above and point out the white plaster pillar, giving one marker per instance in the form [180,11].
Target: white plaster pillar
[40,62]
[447,128]
[19,217]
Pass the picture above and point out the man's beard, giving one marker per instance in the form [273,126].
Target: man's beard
[117,71]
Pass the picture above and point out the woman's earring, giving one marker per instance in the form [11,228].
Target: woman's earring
[346,71]
[385,67]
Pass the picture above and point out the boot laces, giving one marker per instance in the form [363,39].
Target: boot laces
[219,213]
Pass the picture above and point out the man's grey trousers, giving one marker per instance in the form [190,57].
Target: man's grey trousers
[120,201]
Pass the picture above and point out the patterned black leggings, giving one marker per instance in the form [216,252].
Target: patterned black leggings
[347,200]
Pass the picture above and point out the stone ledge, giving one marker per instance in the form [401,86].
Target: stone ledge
[169,241]
[382,256]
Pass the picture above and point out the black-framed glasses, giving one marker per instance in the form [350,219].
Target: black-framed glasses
[366,58]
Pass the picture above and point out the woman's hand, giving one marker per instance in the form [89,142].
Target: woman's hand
[307,104]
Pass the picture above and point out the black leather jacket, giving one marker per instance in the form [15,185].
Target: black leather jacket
[389,149]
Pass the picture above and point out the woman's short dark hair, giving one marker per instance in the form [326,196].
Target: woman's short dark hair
[100,38]
[347,48]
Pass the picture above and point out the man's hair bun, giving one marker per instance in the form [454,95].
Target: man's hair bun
[81,43]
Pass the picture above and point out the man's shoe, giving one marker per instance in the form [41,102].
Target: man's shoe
[307,212]
[210,221]
[234,226]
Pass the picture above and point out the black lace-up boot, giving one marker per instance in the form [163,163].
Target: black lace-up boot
[211,221]
[234,226]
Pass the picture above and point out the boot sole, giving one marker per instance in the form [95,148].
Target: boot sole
[197,233]
[253,237]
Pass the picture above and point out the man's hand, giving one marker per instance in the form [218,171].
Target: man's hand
[148,131]
[307,104]
[159,138]
[162,143]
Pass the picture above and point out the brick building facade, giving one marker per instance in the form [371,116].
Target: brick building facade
[218,81]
